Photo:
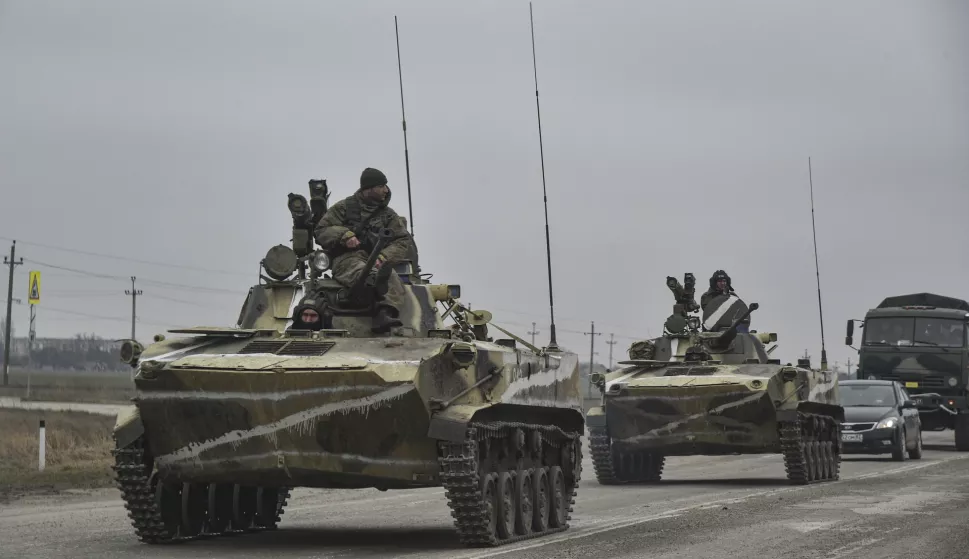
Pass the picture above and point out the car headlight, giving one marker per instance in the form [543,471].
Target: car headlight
[871,377]
[320,262]
[953,381]
[887,423]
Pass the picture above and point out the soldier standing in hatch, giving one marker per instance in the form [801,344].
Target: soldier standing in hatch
[719,285]
[344,232]
[718,317]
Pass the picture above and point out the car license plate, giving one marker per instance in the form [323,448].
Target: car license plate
[850,438]
[911,384]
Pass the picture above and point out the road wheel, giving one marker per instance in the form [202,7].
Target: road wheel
[916,452]
[900,451]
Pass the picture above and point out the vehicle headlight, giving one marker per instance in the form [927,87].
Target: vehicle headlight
[887,423]
[953,381]
[320,262]
[871,377]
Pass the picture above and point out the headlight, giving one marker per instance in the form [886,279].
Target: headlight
[886,423]
[871,377]
[320,262]
[953,381]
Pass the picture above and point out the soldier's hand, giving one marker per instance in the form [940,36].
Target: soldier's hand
[353,242]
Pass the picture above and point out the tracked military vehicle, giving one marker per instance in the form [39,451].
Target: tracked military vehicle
[228,419]
[695,391]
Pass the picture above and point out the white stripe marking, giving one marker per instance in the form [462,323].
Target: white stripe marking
[302,421]
[275,396]
[715,317]
[297,295]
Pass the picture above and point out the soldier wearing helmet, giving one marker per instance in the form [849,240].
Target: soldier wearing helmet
[721,305]
[719,285]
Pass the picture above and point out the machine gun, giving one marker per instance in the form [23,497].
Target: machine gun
[685,296]
[367,278]
[306,215]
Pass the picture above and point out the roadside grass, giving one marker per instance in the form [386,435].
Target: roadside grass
[78,452]
[71,386]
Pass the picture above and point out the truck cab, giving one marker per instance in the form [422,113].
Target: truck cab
[921,340]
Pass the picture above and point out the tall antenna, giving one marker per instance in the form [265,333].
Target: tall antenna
[541,150]
[403,121]
[824,353]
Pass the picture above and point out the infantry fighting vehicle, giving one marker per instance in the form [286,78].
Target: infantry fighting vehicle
[694,391]
[227,420]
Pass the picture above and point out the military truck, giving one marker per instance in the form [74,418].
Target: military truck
[919,340]
[227,420]
[697,391]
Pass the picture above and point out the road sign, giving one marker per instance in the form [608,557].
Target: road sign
[33,296]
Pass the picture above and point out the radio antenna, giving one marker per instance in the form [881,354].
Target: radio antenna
[552,345]
[824,353]
[403,121]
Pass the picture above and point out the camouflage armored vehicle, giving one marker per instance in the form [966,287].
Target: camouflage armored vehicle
[695,391]
[227,419]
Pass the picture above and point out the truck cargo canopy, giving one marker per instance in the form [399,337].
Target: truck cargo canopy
[925,299]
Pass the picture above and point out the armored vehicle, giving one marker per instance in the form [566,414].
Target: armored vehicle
[228,419]
[695,391]
[919,340]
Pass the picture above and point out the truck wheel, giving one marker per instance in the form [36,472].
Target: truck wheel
[962,432]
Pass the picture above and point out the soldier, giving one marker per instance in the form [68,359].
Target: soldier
[721,305]
[309,314]
[719,285]
[344,232]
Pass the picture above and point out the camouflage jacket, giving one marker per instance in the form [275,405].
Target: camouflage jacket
[711,294]
[350,216]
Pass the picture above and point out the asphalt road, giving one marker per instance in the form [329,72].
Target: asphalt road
[705,507]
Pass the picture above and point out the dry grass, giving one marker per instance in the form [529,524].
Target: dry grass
[71,386]
[78,451]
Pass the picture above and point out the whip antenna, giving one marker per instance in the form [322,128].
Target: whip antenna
[548,246]
[824,353]
[403,121]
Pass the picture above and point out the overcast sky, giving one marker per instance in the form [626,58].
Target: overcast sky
[676,140]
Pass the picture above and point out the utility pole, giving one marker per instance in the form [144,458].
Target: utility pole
[8,325]
[533,332]
[592,351]
[134,297]
[611,343]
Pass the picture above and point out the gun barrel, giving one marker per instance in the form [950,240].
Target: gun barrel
[383,237]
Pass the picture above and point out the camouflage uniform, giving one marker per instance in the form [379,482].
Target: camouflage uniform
[716,317]
[713,291]
[355,216]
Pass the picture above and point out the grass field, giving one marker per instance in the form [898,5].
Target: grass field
[71,386]
[78,452]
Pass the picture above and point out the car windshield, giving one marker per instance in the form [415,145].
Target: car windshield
[867,395]
[908,332]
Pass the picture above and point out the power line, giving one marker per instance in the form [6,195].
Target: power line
[130,259]
[148,281]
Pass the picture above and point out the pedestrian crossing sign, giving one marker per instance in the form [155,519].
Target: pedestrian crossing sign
[33,295]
